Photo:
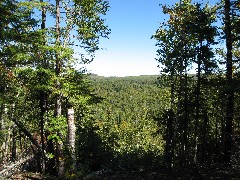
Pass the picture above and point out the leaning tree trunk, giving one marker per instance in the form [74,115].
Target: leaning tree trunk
[37,147]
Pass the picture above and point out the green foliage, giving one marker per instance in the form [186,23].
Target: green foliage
[124,130]
[134,123]
[185,41]
[38,65]
[58,128]
[90,22]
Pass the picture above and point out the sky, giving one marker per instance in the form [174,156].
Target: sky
[130,51]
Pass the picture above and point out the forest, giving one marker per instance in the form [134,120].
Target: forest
[57,121]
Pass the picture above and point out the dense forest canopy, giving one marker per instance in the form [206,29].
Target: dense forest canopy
[62,122]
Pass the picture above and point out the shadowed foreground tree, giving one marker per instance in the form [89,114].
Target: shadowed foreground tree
[42,62]
[186,39]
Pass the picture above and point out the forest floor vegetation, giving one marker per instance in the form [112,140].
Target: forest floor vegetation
[184,173]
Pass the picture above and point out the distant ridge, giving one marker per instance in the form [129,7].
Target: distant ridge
[96,75]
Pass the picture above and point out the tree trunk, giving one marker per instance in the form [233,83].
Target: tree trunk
[42,102]
[5,135]
[42,112]
[14,145]
[27,133]
[204,138]
[170,144]
[186,119]
[71,137]
[51,166]
[228,140]
[169,140]
[34,142]
[58,105]
[198,91]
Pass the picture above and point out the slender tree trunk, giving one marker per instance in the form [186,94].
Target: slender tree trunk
[14,145]
[169,140]
[179,116]
[198,91]
[186,119]
[51,167]
[2,127]
[171,118]
[5,135]
[228,140]
[42,112]
[58,105]
[20,141]
[42,102]
[204,137]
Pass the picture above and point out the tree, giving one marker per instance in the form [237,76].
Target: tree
[15,38]
[204,33]
[45,65]
[228,140]
[184,40]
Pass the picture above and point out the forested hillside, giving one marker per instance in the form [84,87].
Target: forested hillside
[59,122]
[126,119]
[134,128]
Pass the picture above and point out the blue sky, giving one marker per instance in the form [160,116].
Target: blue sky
[129,51]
